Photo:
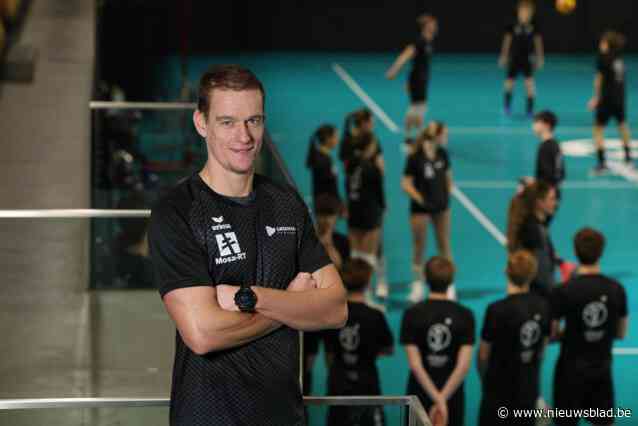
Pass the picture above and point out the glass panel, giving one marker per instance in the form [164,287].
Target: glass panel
[137,156]
[393,415]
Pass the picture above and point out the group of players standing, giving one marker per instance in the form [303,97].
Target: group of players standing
[438,332]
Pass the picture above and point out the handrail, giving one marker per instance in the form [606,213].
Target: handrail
[141,105]
[38,403]
[416,411]
[72,213]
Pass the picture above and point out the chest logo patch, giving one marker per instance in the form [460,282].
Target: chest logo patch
[229,249]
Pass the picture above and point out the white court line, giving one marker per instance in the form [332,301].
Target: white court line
[456,192]
[512,184]
[479,216]
[625,351]
[376,109]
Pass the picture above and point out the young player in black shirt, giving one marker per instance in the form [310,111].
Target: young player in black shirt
[366,198]
[438,335]
[420,53]
[609,95]
[319,161]
[240,270]
[594,308]
[515,332]
[522,53]
[356,123]
[528,229]
[550,164]
[427,179]
[353,351]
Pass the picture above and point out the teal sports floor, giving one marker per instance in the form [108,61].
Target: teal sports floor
[489,152]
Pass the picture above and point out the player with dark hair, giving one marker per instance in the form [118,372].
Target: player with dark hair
[420,53]
[550,164]
[528,229]
[366,199]
[319,161]
[357,123]
[438,335]
[515,332]
[352,352]
[594,308]
[609,96]
[522,53]
[240,271]
[427,179]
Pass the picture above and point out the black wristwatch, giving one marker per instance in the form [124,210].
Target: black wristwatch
[246,299]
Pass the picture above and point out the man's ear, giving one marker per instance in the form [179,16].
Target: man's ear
[201,125]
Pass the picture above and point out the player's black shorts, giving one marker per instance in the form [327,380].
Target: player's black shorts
[583,387]
[418,88]
[365,219]
[606,111]
[518,66]
[429,210]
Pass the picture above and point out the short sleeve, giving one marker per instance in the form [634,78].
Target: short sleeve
[411,168]
[312,255]
[622,303]
[489,325]
[467,338]
[408,330]
[178,260]
[384,337]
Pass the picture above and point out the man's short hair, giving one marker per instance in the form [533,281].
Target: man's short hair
[226,77]
[356,275]
[589,245]
[521,268]
[548,118]
[439,274]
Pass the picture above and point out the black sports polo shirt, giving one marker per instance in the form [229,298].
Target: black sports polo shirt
[198,237]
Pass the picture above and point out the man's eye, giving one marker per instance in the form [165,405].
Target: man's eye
[227,123]
[255,121]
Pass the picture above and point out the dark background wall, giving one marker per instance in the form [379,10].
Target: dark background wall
[137,31]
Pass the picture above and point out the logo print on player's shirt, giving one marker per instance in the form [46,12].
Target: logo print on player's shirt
[270,230]
[227,244]
[595,314]
[229,249]
[219,219]
[349,337]
[429,171]
[439,337]
[530,333]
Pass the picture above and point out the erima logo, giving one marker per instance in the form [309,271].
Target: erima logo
[281,229]
[229,250]
[221,225]
[219,219]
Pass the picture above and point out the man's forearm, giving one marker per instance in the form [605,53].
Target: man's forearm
[231,329]
[305,310]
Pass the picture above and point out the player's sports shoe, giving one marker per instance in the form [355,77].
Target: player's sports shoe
[417,293]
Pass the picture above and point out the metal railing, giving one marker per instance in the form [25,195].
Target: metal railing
[416,413]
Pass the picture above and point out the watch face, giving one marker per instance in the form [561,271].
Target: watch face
[245,299]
